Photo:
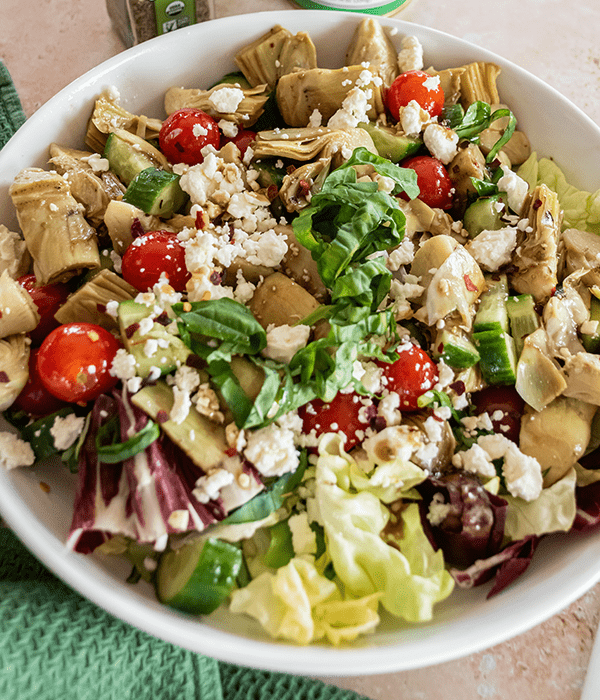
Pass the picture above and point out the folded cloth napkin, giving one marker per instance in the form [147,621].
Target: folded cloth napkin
[55,645]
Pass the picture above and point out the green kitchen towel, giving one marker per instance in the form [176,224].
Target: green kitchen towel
[56,645]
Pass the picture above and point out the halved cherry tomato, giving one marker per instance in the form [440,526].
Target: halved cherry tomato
[413,374]
[185,133]
[415,85]
[150,255]
[74,361]
[506,400]
[242,139]
[48,299]
[35,399]
[342,414]
[435,185]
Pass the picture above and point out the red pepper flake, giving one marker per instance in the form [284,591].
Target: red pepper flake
[101,308]
[163,319]
[215,278]
[130,330]
[201,220]
[471,287]
[136,228]
[458,387]
[231,452]
[304,188]
[290,169]
[4,379]
[272,192]
[441,348]
[537,204]
[162,417]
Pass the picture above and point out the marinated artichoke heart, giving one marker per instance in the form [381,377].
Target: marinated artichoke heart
[60,240]
[86,186]
[370,44]
[537,264]
[274,54]
[89,302]
[249,109]
[323,89]
[421,217]
[539,377]
[108,116]
[517,149]
[469,162]
[299,186]
[582,373]
[281,301]
[121,216]
[478,82]
[299,265]
[14,361]
[14,256]
[449,82]
[310,143]
[18,312]
[580,250]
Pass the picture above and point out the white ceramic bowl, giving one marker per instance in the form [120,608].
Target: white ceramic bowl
[563,567]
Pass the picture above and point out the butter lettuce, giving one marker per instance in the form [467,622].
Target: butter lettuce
[581,208]
[410,576]
[553,511]
[300,604]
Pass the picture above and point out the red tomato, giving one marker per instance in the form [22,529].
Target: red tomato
[435,185]
[504,399]
[35,399]
[340,414]
[415,85]
[150,255]
[74,361]
[48,299]
[242,139]
[410,376]
[185,133]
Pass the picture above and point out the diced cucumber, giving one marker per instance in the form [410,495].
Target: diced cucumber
[389,144]
[125,160]
[485,214]
[498,361]
[156,192]
[491,313]
[591,341]
[456,350]
[522,317]
[236,78]
[167,352]
[271,171]
[198,577]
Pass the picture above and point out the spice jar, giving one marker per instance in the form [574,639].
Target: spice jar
[138,20]
[371,7]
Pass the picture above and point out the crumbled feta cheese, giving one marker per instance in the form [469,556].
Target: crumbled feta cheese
[123,365]
[316,119]
[181,405]
[413,118]
[226,100]
[15,452]
[304,539]
[65,430]
[438,509]
[97,163]
[388,409]
[272,451]
[372,377]
[229,129]
[515,187]
[411,55]
[207,487]
[112,308]
[476,461]
[493,249]
[440,142]
[284,341]
[353,111]
[522,474]
[401,255]
[187,378]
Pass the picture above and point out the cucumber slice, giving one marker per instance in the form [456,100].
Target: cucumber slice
[235,78]
[124,160]
[522,317]
[492,314]
[485,214]
[198,577]
[271,171]
[156,192]
[591,341]
[498,361]
[389,144]
[456,350]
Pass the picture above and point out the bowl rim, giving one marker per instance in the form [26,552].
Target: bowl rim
[166,624]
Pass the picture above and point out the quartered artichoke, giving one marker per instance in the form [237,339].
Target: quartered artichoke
[109,116]
[324,90]
[247,112]
[450,80]
[370,44]
[89,302]
[580,250]
[298,187]
[14,372]
[274,54]
[120,217]
[18,312]
[537,263]
[478,82]
[14,257]
[60,240]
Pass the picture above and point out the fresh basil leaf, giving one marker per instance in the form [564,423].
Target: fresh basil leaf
[484,188]
[366,284]
[452,115]
[229,386]
[476,119]
[120,451]
[508,132]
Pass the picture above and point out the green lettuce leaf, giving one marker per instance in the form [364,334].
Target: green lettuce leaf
[581,208]
[411,577]
[553,510]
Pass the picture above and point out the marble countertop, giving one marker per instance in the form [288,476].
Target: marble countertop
[48,43]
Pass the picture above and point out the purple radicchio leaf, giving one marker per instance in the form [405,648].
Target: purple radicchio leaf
[587,515]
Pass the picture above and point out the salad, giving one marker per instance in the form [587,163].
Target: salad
[321,343]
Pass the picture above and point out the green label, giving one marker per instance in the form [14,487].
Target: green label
[371,7]
[174,14]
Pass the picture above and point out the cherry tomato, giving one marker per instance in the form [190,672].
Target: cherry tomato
[415,85]
[48,299]
[506,400]
[185,133]
[74,361]
[35,399]
[436,188]
[342,414]
[150,255]
[242,139]
[410,376]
